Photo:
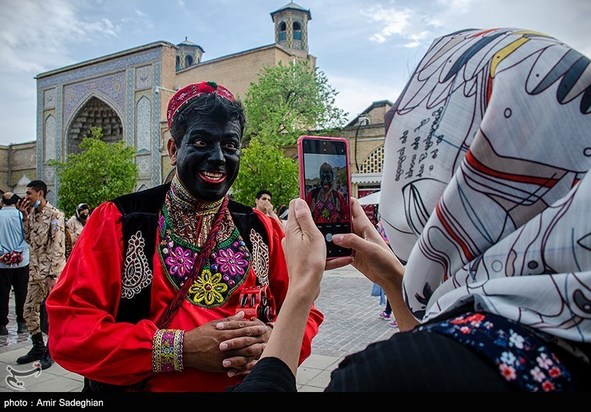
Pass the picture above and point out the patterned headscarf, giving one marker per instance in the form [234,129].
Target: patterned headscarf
[192,91]
[485,190]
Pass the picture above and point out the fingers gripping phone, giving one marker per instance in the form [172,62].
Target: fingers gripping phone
[325,185]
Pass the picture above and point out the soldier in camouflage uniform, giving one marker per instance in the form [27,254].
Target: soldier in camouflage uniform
[45,232]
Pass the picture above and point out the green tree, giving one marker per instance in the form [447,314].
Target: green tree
[101,171]
[291,100]
[264,166]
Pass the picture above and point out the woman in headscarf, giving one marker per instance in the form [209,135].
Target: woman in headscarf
[486,196]
[76,222]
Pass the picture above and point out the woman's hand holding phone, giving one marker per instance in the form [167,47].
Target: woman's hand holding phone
[302,238]
[325,186]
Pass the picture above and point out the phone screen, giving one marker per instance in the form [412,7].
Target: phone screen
[325,186]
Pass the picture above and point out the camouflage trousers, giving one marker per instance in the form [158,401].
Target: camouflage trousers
[36,293]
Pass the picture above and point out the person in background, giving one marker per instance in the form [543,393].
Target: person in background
[263,204]
[76,222]
[45,233]
[154,271]
[387,312]
[328,205]
[495,294]
[14,262]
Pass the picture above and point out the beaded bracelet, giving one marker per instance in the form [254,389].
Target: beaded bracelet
[167,350]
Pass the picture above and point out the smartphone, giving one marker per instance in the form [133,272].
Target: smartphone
[325,184]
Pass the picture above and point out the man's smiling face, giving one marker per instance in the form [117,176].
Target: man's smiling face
[208,158]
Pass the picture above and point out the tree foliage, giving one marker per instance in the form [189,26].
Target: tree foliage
[288,101]
[102,171]
[264,166]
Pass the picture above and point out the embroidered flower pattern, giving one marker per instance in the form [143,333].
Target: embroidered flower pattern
[224,271]
[179,261]
[208,289]
[326,209]
[231,262]
[520,356]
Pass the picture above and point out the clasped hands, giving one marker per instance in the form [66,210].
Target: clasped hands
[232,345]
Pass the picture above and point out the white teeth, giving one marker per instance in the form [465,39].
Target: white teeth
[213,175]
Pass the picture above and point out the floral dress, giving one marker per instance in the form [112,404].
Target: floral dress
[520,356]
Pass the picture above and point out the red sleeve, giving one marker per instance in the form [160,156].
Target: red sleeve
[344,207]
[84,337]
[279,281]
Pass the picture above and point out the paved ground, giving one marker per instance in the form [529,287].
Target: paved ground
[351,323]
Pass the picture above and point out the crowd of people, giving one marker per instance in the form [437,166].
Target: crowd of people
[487,271]
[33,238]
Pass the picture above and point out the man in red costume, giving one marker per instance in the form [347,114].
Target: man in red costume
[327,204]
[138,302]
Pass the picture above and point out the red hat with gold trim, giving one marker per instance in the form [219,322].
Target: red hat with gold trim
[191,91]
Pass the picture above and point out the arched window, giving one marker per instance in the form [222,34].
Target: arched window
[178,63]
[188,61]
[297,31]
[282,31]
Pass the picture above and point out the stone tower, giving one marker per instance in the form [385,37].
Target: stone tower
[188,54]
[291,27]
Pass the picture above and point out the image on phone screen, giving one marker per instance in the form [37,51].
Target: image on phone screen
[326,189]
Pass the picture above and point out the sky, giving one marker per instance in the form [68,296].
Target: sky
[366,48]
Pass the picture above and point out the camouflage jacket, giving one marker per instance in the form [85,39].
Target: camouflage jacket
[45,233]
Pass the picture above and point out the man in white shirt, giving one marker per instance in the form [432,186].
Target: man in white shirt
[14,262]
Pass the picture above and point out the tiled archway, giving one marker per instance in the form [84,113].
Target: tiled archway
[94,113]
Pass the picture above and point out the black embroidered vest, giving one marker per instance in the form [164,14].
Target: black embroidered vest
[140,212]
